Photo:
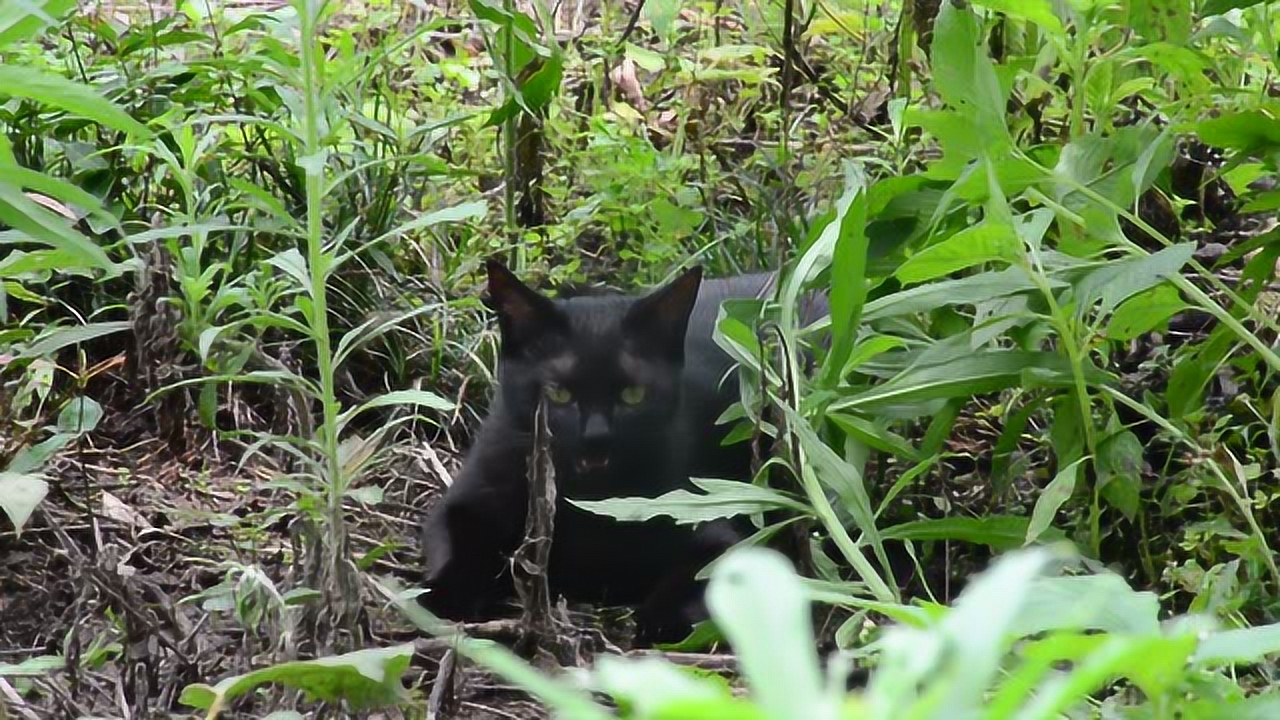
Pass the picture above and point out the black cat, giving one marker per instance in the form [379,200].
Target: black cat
[634,387]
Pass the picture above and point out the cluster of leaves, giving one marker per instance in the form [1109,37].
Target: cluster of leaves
[1028,638]
[1003,275]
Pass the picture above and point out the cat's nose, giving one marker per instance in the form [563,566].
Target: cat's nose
[596,431]
[595,444]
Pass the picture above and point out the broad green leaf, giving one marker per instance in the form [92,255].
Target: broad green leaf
[645,58]
[40,265]
[940,425]
[497,14]
[961,140]
[705,634]
[373,328]
[946,670]
[418,398]
[1154,159]
[662,15]
[364,678]
[1116,166]
[54,340]
[1039,12]
[30,459]
[1268,201]
[85,203]
[1051,499]
[966,78]
[1265,706]
[984,242]
[1186,64]
[19,496]
[824,472]
[41,225]
[1000,532]
[759,602]
[535,94]
[847,220]
[1155,664]
[208,336]
[875,434]
[964,291]
[291,262]
[540,89]
[1254,132]
[1115,282]
[56,91]
[171,232]
[869,348]
[455,213]
[720,499]
[963,376]
[841,476]
[732,53]
[650,685]
[80,415]
[1102,602]
[22,20]
[1161,20]
[848,278]
[1119,469]
[513,25]
[1144,312]
[34,667]
[1238,647]
[1220,7]
[734,335]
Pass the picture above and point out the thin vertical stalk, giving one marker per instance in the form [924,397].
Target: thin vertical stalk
[509,158]
[313,161]
[329,567]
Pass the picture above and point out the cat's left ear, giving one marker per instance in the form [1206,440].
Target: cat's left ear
[524,316]
[658,321]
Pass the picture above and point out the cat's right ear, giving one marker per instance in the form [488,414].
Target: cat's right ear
[523,314]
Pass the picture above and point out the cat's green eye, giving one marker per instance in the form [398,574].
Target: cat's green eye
[558,394]
[633,394]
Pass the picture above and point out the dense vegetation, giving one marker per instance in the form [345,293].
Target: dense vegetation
[1032,468]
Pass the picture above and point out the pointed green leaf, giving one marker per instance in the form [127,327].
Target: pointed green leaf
[720,499]
[1051,499]
[58,92]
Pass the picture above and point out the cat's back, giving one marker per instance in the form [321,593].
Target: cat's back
[715,291]
[706,363]
[711,295]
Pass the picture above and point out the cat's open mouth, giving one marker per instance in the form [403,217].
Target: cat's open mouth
[588,463]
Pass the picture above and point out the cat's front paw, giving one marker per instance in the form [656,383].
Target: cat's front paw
[661,621]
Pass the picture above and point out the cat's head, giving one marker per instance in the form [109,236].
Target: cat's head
[609,366]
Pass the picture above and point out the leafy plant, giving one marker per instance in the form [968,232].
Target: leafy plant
[1023,640]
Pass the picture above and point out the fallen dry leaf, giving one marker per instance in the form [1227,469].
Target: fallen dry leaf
[116,509]
[624,77]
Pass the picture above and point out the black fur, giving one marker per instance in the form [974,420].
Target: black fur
[593,346]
